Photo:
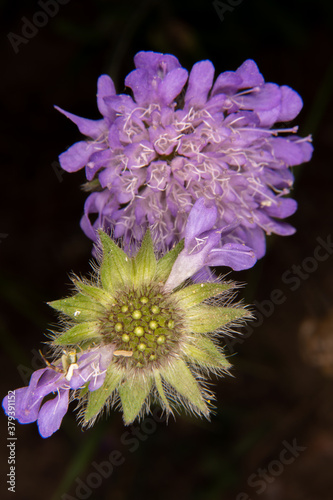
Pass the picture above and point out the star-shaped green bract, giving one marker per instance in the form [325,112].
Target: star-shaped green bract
[164,341]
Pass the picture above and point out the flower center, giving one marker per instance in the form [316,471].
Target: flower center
[144,325]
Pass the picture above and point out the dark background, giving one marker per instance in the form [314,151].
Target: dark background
[282,385]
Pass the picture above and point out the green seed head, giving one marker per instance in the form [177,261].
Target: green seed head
[146,322]
[139,331]
[159,337]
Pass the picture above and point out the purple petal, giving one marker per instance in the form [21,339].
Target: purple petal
[215,104]
[97,160]
[121,104]
[92,367]
[156,63]
[88,228]
[306,147]
[48,382]
[152,69]
[105,88]
[200,219]
[139,154]
[165,140]
[234,255]
[227,82]
[250,75]
[52,413]
[105,357]
[280,178]
[281,208]
[199,83]
[87,364]
[95,203]
[275,226]
[187,264]
[268,117]
[172,85]
[90,128]
[291,104]
[287,151]
[253,237]
[263,99]
[108,175]
[138,81]
[77,156]
[25,411]
[97,382]
[205,275]
[28,399]
[158,175]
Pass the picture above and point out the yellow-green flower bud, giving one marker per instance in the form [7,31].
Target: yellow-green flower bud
[161,339]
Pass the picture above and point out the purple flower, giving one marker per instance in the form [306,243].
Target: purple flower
[204,247]
[182,137]
[29,406]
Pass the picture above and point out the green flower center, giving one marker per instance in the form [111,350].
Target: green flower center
[145,326]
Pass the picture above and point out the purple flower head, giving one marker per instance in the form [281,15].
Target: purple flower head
[182,137]
[29,406]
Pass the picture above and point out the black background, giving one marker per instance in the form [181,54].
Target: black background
[281,390]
